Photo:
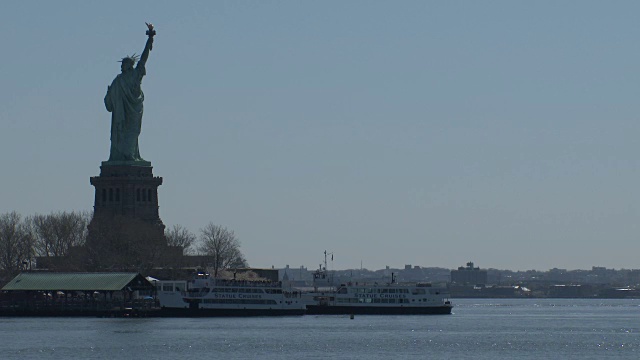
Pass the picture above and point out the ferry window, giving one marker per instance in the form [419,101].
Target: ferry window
[367,300]
[392,291]
[167,287]
[385,291]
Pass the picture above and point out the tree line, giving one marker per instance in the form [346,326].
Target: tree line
[23,239]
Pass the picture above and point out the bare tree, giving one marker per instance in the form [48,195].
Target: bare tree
[240,275]
[56,233]
[221,247]
[16,242]
[178,235]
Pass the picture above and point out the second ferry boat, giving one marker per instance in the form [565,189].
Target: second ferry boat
[207,296]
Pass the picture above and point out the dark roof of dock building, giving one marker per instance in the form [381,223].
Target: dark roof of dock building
[43,281]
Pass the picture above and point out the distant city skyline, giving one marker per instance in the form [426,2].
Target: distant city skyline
[420,132]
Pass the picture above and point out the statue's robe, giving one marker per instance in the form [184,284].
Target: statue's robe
[124,101]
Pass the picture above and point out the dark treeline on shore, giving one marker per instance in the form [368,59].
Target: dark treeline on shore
[62,239]
[22,239]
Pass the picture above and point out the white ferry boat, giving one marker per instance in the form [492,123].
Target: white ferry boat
[387,299]
[206,296]
[377,299]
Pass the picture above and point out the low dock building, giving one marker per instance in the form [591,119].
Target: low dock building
[77,294]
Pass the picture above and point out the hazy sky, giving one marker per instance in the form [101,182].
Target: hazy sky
[429,133]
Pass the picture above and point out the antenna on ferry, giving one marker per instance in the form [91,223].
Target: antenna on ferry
[325,259]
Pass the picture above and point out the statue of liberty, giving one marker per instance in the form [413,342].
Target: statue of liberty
[124,101]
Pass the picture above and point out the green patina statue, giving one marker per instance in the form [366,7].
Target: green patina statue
[124,101]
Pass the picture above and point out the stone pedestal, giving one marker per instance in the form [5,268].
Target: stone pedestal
[126,232]
[127,190]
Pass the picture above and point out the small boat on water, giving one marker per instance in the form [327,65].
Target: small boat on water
[206,296]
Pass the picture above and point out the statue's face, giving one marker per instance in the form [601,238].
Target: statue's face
[126,65]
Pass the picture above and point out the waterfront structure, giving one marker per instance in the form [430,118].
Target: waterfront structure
[76,294]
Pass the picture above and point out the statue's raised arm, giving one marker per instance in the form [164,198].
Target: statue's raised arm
[148,46]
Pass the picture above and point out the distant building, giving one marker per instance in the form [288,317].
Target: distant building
[469,275]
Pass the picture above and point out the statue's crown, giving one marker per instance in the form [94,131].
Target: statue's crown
[131,58]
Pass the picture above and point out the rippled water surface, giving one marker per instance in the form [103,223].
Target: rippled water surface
[478,329]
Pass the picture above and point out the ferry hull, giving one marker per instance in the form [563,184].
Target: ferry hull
[376,310]
[175,312]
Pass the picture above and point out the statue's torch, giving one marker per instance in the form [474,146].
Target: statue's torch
[151,32]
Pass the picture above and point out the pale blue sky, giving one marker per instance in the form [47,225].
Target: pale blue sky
[428,133]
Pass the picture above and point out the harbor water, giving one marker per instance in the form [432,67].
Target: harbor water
[477,329]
